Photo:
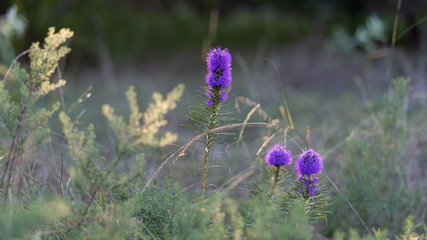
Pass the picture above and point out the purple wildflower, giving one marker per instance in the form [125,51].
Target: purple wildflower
[278,156]
[208,94]
[308,181]
[312,190]
[219,68]
[223,96]
[309,163]
[312,185]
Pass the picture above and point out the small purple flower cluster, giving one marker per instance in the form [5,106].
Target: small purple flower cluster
[312,185]
[210,95]
[219,68]
[308,165]
[218,77]
[278,156]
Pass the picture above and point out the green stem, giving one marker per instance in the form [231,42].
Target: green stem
[276,179]
[212,122]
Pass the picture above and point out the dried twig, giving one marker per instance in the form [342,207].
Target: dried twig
[184,148]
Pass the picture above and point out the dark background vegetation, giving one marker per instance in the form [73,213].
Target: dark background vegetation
[113,38]
[127,29]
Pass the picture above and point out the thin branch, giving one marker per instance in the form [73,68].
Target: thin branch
[62,170]
[61,90]
[411,27]
[184,148]
[247,120]
[267,141]
[16,59]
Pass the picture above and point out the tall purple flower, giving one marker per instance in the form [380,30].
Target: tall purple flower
[219,80]
[218,77]
[278,156]
[308,163]
[219,68]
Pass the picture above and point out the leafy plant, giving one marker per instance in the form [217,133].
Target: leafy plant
[143,127]
[158,209]
[20,120]
[374,175]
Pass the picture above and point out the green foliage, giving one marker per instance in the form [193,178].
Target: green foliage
[409,233]
[24,222]
[34,84]
[83,151]
[395,116]
[200,115]
[116,205]
[205,118]
[262,185]
[87,172]
[220,218]
[374,176]
[270,224]
[8,113]
[159,208]
[23,124]
[202,220]
[113,221]
[410,230]
[315,206]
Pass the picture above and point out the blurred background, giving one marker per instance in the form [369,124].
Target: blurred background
[127,32]
[306,43]
[112,35]
[331,59]
[306,47]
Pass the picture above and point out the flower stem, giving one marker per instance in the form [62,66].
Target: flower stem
[276,179]
[209,138]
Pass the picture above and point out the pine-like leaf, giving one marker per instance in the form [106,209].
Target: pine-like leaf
[315,205]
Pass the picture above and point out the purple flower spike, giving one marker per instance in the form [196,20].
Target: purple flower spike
[278,156]
[223,95]
[312,190]
[209,94]
[219,68]
[309,163]
[312,185]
